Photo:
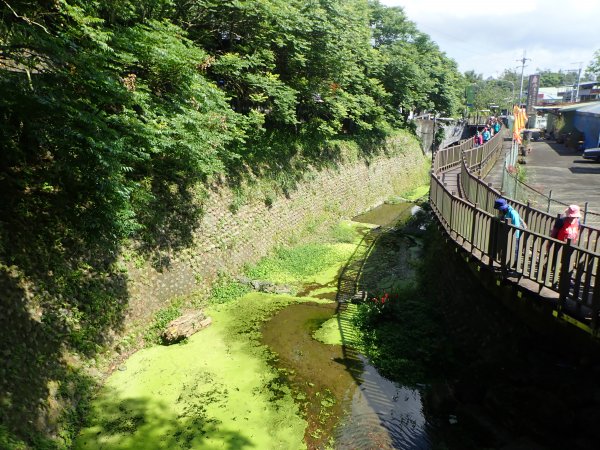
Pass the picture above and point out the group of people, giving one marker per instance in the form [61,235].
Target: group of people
[489,130]
[566,226]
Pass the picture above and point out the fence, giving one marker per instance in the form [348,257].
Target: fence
[568,268]
[521,191]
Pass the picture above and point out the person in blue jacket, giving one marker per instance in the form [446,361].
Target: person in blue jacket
[505,211]
[508,212]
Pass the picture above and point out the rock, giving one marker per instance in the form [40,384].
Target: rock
[184,326]
[265,286]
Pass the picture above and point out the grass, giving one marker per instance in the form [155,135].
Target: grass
[417,193]
[301,264]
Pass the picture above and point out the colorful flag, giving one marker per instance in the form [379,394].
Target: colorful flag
[519,122]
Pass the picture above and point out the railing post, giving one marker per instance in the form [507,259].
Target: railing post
[527,213]
[585,211]
[565,275]
[493,241]
[549,200]
[458,186]
[431,175]
[443,209]
[451,209]
[596,302]
[503,246]
[473,228]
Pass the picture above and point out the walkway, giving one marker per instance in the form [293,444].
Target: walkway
[555,177]
[564,275]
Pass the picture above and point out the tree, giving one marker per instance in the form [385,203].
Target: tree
[418,76]
[593,68]
[549,78]
[118,115]
[472,77]
[512,76]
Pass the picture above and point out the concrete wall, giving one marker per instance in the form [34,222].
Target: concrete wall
[452,133]
[225,241]
[425,133]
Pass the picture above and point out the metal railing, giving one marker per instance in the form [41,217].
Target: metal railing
[569,269]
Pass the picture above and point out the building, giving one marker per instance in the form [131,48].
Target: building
[588,91]
[548,96]
[578,124]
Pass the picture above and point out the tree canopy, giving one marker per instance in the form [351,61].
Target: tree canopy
[116,114]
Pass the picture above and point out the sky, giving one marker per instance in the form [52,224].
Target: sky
[489,37]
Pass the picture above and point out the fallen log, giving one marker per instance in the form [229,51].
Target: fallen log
[184,326]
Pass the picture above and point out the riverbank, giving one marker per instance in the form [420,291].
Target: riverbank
[246,380]
[221,386]
[506,386]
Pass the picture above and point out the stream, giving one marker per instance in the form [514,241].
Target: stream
[345,400]
[278,371]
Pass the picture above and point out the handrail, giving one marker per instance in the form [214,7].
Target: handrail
[536,220]
[571,269]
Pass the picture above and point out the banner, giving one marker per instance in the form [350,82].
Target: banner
[519,122]
[532,93]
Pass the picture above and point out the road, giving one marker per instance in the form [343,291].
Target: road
[554,167]
[572,179]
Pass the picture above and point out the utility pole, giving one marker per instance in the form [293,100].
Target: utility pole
[522,61]
[578,81]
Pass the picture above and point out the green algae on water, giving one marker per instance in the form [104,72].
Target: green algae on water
[215,392]
[339,330]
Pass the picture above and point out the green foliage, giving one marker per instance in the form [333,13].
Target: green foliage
[549,78]
[417,194]
[522,174]
[491,92]
[118,116]
[161,318]
[292,264]
[225,289]
[593,69]
[401,335]
[10,442]
[344,232]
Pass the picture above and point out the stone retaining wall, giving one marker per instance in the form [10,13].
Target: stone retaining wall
[225,241]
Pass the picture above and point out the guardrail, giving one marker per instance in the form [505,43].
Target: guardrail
[569,269]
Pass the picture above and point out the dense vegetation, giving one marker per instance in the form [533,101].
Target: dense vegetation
[116,115]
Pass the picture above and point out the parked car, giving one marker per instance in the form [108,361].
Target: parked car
[592,153]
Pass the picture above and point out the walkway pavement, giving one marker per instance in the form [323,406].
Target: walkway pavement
[495,175]
[552,166]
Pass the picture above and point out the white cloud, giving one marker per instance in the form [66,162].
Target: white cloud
[490,37]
